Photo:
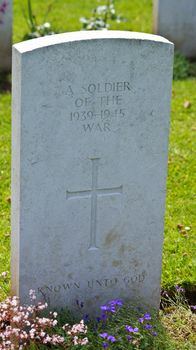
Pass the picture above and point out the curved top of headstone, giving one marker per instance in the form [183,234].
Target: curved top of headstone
[56,39]
[90,134]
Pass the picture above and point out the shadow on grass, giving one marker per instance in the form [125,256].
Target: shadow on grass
[5,82]
[188,291]
[192,69]
[183,67]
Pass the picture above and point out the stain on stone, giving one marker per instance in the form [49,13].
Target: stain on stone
[135,263]
[111,237]
[122,249]
[116,263]
[130,248]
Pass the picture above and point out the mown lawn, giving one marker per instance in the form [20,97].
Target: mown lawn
[5,157]
[178,258]
[179,247]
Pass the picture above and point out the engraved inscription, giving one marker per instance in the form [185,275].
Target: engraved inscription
[99,106]
[93,194]
[125,282]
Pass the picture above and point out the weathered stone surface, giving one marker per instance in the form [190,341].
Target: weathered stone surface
[5,34]
[90,137]
[176,20]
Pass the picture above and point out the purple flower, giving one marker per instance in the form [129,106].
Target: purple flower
[154,334]
[105,345]
[103,335]
[111,338]
[116,302]
[147,316]
[110,308]
[103,317]
[148,326]
[104,308]
[129,337]
[131,329]
[179,289]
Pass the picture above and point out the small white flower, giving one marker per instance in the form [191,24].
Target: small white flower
[4,274]
[42,334]
[47,25]
[84,341]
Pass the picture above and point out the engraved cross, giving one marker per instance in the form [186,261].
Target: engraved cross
[93,194]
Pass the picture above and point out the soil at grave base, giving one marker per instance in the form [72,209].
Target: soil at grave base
[190,295]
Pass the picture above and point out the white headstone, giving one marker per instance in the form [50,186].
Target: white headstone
[176,20]
[5,34]
[90,138]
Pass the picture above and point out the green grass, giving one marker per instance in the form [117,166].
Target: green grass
[5,100]
[178,257]
[178,262]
